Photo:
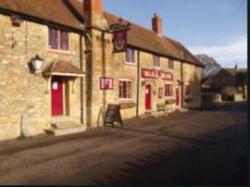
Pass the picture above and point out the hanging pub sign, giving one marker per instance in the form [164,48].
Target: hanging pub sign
[120,31]
[155,74]
[119,40]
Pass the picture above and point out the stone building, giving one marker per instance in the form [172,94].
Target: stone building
[80,73]
[228,84]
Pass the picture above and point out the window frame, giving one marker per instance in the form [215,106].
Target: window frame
[61,37]
[160,93]
[171,91]
[129,94]
[170,64]
[187,85]
[156,61]
[127,58]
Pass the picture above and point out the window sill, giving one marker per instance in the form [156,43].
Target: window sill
[130,63]
[157,67]
[59,51]
[127,104]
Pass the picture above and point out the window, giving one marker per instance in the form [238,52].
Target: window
[160,93]
[169,90]
[130,55]
[170,64]
[125,89]
[187,89]
[156,61]
[58,40]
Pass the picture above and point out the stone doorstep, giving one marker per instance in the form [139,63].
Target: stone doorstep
[66,127]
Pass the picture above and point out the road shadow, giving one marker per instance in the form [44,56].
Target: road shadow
[204,163]
[227,107]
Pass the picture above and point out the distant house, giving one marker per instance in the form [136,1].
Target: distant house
[231,83]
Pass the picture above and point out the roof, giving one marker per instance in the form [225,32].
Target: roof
[56,11]
[148,40]
[62,68]
[221,79]
[70,13]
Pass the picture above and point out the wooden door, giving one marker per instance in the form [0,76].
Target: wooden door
[177,98]
[57,96]
[148,92]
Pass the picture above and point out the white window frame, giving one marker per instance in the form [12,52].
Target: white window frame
[159,62]
[125,57]
[125,99]
[169,97]
[59,50]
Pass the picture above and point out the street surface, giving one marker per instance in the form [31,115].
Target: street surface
[205,147]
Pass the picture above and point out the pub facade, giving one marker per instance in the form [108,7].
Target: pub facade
[63,70]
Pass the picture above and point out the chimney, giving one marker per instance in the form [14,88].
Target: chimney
[157,24]
[92,7]
[235,68]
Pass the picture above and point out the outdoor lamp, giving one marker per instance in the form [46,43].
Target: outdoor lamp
[37,63]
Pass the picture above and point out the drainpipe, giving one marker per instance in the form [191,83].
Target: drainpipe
[182,86]
[81,80]
[103,71]
[138,84]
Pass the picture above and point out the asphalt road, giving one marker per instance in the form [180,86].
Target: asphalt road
[203,147]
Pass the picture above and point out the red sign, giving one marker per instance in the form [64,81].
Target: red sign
[155,74]
[119,40]
[106,83]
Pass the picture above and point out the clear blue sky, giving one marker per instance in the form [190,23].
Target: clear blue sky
[215,27]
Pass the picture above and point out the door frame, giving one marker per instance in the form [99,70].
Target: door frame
[145,101]
[177,87]
[64,97]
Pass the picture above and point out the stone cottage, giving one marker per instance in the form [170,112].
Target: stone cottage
[58,68]
[228,84]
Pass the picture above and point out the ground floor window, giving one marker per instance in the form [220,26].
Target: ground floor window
[125,89]
[169,90]
[187,89]
[160,93]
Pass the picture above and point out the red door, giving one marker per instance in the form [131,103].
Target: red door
[57,96]
[148,97]
[177,97]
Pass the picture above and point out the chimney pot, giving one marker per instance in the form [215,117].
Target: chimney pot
[157,24]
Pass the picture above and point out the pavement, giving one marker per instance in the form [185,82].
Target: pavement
[201,147]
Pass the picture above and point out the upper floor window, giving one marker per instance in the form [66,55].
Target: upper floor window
[156,61]
[125,89]
[58,40]
[130,55]
[169,90]
[170,64]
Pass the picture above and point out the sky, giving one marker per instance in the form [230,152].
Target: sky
[217,28]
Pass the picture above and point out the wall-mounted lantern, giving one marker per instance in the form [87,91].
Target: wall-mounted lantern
[37,63]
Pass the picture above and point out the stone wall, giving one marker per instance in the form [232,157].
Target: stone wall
[114,66]
[21,91]
[192,76]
